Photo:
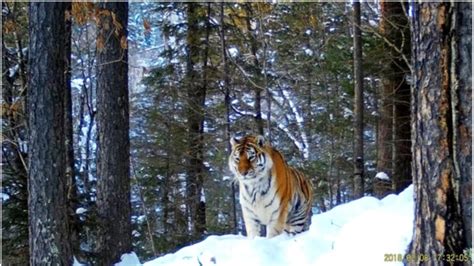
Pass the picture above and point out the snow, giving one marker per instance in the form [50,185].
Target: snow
[76,262]
[347,112]
[233,51]
[77,83]
[13,70]
[203,196]
[129,259]
[5,197]
[357,233]
[226,177]
[81,210]
[382,176]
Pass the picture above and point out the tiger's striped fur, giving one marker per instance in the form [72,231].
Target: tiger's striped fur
[271,192]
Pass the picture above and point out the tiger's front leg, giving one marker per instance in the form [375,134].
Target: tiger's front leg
[277,226]
[252,226]
[274,230]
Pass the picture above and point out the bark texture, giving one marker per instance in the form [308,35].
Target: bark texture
[196,92]
[441,132]
[227,103]
[358,107]
[461,98]
[47,186]
[113,165]
[385,122]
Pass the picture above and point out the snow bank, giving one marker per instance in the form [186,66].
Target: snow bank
[129,259]
[360,232]
[382,176]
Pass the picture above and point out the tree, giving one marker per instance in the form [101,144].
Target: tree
[47,200]
[113,165]
[442,130]
[226,85]
[358,107]
[385,121]
[196,96]
[394,144]
[399,35]
[252,38]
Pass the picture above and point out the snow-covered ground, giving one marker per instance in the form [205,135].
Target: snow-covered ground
[362,232]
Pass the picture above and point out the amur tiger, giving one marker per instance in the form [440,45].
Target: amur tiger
[271,192]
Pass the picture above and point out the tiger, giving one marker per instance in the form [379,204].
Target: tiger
[271,193]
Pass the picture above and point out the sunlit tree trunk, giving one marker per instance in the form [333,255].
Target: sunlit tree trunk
[441,120]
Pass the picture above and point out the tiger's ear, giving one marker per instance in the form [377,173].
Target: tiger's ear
[233,141]
[260,140]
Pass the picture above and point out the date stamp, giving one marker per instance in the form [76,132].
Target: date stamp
[393,257]
[417,258]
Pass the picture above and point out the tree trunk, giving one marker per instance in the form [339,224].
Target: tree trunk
[166,187]
[258,112]
[461,96]
[396,30]
[257,71]
[441,121]
[201,214]
[394,134]
[402,138]
[227,103]
[47,186]
[384,133]
[358,108]
[196,93]
[113,165]
[385,143]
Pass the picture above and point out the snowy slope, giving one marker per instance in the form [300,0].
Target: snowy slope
[360,232]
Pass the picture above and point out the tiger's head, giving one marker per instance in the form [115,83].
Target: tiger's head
[249,158]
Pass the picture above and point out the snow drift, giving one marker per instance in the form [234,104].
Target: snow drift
[362,232]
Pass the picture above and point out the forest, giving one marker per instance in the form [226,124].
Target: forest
[117,118]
